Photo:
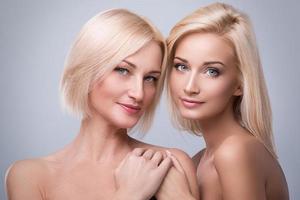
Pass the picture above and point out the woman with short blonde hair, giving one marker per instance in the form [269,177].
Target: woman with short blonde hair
[95,46]
[112,80]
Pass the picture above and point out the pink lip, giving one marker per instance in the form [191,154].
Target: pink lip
[190,103]
[129,108]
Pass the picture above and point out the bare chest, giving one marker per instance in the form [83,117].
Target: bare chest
[208,180]
[88,184]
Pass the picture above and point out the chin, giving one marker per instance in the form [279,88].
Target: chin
[196,114]
[190,114]
[125,123]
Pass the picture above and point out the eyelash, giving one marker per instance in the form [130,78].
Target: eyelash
[179,66]
[214,70]
[182,68]
[123,71]
[154,79]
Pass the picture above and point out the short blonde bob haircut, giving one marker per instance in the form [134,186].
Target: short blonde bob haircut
[103,42]
[252,109]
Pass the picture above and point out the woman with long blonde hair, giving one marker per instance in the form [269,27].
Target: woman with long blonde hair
[216,89]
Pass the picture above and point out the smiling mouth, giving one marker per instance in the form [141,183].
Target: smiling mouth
[189,103]
[130,109]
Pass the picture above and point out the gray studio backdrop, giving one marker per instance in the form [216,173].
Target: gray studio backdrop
[35,37]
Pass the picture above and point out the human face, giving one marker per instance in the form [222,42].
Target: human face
[204,77]
[123,95]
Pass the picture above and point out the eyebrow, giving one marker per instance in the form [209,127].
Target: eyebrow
[182,59]
[129,63]
[134,66]
[205,63]
[214,62]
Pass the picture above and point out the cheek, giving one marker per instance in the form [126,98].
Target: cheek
[175,82]
[220,90]
[98,96]
[149,92]
[105,91]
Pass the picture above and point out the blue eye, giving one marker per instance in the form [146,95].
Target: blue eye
[212,72]
[121,70]
[151,79]
[181,67]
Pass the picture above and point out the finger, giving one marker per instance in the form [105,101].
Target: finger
[138,151]
[164,153]
[175,162]
[164,167]
[157,157]
[148,154]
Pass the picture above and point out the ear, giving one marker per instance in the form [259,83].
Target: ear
[238,91]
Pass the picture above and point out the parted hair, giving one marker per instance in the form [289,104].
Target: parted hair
[252,108]
[102,43]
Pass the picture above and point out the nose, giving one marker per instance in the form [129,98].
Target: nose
[136,90]
[191,87]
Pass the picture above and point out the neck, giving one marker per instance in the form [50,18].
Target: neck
[99,141]
[216,130]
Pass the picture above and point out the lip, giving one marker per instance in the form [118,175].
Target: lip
[130,108]
[190,103]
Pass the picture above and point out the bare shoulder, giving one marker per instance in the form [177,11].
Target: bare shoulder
[23,168]
[182,156]
[240,164]
[242,149]
[189,168]
[25,177]
[247,169]
[177,152]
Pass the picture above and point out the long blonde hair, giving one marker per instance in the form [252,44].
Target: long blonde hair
[252,109]
[103,42]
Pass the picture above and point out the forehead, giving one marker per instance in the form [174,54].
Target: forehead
[203,47]
[149,57]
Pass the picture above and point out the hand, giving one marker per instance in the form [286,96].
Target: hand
[141,172]
[175,184]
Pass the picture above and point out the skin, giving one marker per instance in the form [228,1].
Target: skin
[176,185]
[177,176]
[204,83]
[92,166]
